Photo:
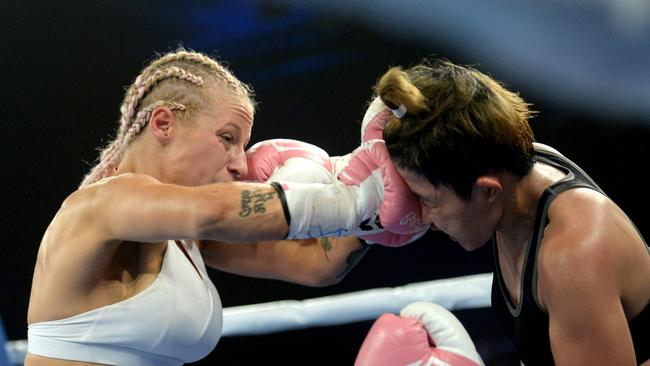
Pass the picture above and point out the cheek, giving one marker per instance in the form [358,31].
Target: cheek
[209,156]
[459,220]
[218,160]
[480,220]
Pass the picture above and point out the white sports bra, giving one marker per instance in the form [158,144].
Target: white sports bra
[176,319]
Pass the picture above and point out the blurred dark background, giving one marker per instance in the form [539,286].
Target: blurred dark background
[65,65]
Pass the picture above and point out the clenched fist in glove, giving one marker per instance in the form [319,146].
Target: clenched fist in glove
[359,194]
[423,334]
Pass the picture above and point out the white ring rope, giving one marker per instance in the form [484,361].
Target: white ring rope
[452,293]
[457,293]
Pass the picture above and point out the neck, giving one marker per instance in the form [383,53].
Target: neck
[137,160]
[520,207]
[515,226]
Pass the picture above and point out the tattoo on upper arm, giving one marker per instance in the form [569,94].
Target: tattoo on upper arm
[254,202]
[353,258]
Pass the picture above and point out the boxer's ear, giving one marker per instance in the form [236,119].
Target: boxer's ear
[489,185]
[162,124]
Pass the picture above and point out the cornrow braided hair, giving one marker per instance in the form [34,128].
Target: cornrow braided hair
[151,90]
[112,155]
[140,88]
[224,76]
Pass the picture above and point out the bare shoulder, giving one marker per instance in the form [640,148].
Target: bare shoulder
[588,243]
[590,218]
[112,185]
[97,195]
[86,208]
[583,223]
[79,227]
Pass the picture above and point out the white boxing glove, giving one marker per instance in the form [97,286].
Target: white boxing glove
[423,334]
[373,202]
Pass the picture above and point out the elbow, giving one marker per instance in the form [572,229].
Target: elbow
[323,279]
[328,281]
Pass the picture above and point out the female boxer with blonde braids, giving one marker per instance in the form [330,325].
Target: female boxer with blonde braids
[571,282]
[118,279]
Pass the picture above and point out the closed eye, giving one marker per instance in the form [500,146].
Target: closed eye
[426,201]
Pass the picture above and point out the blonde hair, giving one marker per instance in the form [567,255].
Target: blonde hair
[177,80]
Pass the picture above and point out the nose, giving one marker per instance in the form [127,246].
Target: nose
[238,166]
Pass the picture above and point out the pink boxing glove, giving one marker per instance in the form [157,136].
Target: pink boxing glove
[288,160]
[370,167]
[423,334]
[373,203]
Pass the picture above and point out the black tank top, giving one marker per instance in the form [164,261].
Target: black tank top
[527,324]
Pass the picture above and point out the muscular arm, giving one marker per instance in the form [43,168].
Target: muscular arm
[141,209]
[311,262]
[582,268]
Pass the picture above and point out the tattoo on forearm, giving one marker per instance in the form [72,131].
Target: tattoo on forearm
[327,246]
[352,259]
[254,202]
